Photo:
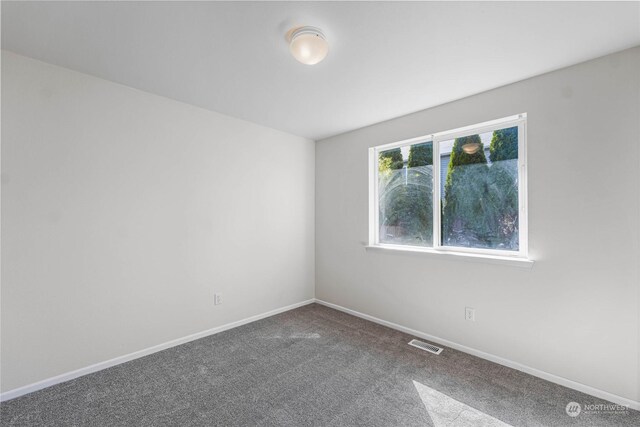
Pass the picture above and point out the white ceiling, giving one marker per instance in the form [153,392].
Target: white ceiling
[385,59]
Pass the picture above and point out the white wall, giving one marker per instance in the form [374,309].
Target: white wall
[123,212]
[575,313]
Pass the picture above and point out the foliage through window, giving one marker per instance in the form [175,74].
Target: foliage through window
[405,188]
[470,199]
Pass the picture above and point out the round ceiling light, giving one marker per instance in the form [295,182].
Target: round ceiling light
[308,45]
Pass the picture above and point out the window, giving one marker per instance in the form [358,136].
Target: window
[456,191]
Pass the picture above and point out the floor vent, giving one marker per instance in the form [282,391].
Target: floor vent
[426,346]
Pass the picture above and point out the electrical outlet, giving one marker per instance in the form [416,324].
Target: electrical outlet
[470,314]
[217,299]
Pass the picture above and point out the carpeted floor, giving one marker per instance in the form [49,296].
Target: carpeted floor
[312,366]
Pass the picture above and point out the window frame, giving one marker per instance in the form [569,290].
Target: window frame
[520,121]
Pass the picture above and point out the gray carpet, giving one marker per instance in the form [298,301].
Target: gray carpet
[312,366]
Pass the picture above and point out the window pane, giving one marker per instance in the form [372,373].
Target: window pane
[480,190]
[405,191]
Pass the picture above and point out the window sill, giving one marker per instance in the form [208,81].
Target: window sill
[455,256]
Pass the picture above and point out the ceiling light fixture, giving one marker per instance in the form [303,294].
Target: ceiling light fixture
[308,45]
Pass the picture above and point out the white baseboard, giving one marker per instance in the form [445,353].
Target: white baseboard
[12,394]
[493,358]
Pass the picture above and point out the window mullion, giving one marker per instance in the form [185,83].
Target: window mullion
[523,226]
[435,149]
